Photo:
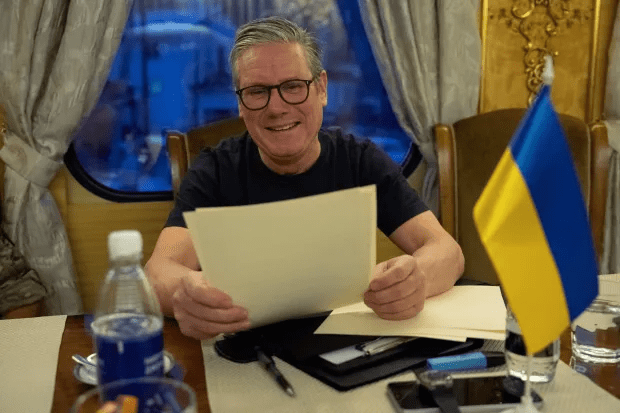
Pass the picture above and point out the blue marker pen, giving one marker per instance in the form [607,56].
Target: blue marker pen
[468,361]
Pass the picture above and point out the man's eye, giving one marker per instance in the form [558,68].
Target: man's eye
[292,88]
[256,92]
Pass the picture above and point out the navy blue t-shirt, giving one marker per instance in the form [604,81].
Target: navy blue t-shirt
[233,174]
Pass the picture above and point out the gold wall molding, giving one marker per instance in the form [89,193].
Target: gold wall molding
[537,21]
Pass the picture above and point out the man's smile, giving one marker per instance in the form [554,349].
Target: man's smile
[282,128]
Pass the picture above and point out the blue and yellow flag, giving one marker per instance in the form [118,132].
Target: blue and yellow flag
[532,220]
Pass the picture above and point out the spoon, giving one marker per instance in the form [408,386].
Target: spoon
[83,361]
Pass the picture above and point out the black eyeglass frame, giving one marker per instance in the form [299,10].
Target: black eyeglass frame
[269,88]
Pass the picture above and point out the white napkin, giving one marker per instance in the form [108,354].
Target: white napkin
[28,359]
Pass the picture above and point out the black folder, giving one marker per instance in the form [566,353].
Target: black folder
[294,342]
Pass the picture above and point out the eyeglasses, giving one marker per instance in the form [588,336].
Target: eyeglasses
[293,92]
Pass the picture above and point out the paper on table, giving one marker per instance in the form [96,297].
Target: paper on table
[290,258]
[463,311]
[28,359]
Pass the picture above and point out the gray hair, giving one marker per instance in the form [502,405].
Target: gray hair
[274,30]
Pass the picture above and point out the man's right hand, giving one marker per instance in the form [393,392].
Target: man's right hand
[203,311]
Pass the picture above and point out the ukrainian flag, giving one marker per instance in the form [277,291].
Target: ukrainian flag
[532,220]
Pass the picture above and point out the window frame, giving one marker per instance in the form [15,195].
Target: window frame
[95,187]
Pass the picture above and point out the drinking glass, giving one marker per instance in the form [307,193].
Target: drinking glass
[139,395]
[595,334]
[543,363]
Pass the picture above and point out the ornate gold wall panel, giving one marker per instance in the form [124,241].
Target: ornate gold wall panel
[601,57]
[517,34]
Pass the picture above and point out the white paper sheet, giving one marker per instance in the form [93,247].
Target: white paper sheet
[291,258]
[463,311]
[28,359]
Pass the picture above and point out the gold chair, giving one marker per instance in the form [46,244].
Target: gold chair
[183,148]
[468,152]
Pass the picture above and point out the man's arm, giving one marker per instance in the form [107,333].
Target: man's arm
[400,285]
[173,258]
[437,253]
[201,310]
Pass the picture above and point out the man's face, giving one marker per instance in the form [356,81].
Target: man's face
[285,134]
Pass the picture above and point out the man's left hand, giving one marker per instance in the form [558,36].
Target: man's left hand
[398,288]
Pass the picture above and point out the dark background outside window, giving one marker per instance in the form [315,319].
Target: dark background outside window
[171,72]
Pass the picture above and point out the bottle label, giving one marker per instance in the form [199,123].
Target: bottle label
[128,346]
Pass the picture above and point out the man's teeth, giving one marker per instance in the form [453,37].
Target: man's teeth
[282,128]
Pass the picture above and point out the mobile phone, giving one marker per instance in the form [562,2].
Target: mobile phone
[473,394]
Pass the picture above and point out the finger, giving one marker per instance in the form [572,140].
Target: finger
[403,315]
[413,302]
[394,292]
[206,328]
[379,269]
[202,331]
[201,292]
[394,273]
[182,301]
[215,315]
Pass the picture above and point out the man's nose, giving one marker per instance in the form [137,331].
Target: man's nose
[276,103]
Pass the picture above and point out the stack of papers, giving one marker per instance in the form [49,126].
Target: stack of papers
[468,311]
[292,258]
[295,258]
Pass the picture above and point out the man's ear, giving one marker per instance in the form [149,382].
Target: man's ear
[322,84]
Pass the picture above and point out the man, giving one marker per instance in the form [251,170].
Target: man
[282,89]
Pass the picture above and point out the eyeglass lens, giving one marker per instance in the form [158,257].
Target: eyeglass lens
[292,92]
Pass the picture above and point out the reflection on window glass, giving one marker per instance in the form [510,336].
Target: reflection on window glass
[171,72]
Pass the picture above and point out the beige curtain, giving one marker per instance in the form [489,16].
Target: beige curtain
[55,56]
[610,261]
[428,53]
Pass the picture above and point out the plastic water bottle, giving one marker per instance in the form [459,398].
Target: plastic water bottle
[128,323]
[543,363]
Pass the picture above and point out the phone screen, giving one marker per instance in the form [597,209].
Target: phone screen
[498,391]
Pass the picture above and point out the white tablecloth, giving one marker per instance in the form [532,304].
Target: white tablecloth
[234,387]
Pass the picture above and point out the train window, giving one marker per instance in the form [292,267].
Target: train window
[171,72]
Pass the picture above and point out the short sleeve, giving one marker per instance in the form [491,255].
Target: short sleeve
[198,188]
[397,201]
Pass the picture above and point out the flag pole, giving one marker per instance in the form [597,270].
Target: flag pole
[527,404]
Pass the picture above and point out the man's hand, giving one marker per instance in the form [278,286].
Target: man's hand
[398,288]
[203,311]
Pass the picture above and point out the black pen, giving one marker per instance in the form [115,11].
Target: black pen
[270,365]
[467,361]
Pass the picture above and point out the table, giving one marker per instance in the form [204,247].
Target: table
[188,353]
[75,339]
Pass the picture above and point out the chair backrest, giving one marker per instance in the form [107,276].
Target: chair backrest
[183,148]
[468,152]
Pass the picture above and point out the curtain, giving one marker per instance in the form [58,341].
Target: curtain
[610,261]
[428,53]
[55,56]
